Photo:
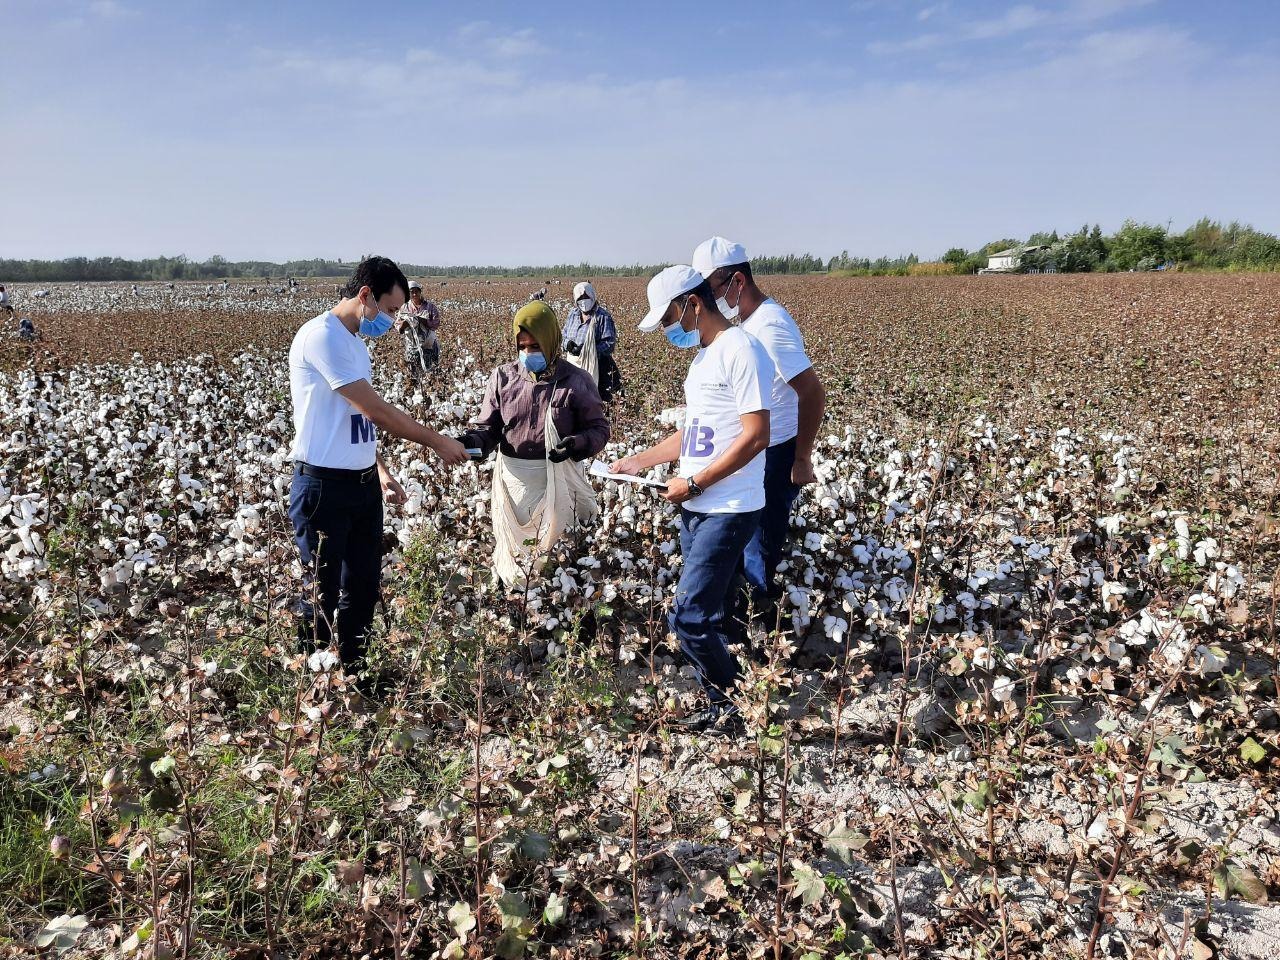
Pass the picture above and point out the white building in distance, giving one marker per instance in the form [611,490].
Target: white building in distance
[1008,261]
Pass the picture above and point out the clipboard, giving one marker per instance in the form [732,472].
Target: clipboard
[599,469]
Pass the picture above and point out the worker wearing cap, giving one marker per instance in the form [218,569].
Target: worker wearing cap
[720,486]
[589,339]
[796,405]
[417,323]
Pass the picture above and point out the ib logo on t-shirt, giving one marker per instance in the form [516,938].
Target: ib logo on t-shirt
[362,429]
[698,441]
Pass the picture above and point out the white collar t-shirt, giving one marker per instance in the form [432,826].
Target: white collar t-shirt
[327,430]
[780,337]
[725,380]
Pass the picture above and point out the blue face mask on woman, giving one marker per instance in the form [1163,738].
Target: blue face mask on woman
[533,362]
[681,337]
[379,325]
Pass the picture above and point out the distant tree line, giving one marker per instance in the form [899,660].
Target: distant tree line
[216,268]
[1205,245]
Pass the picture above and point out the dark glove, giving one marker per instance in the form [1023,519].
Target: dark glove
[573,349]
[562,451]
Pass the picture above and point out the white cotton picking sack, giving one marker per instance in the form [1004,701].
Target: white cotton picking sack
[588,359]
[533,503]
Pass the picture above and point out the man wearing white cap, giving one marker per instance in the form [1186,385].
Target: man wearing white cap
[589,336]
[720,487]
[796,404]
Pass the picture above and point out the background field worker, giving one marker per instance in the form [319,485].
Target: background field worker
[6,304]
[589,338]
[720,487]
[543,415]
[26,330]
[797,401]
[335,500]
[417,323]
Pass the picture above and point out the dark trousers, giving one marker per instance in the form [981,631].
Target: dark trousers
[337,525]
[610,377]
[705,616]
[764,552]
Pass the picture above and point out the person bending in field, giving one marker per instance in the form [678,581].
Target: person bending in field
[339,481]
[543,415]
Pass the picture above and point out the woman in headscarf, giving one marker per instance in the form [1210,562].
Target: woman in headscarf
[543,415]
[589,338]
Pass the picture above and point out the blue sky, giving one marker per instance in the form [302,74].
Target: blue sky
[536,133]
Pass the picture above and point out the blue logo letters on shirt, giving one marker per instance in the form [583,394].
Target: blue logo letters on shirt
[698,441]
[362,429]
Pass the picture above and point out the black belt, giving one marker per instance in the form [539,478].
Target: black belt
[368,475]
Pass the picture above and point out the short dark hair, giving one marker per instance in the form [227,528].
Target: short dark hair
[703,292]
[378,274]
[743,268]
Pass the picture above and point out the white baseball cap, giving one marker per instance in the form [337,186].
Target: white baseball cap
[414,285]
[583,288]
[715,253]
[665,287]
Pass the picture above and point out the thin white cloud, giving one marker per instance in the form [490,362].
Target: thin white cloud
[1015,20]
[1018,19]
[111,9]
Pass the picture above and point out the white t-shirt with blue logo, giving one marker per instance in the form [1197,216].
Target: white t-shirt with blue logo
[727,379]
[778,334]
[327,430]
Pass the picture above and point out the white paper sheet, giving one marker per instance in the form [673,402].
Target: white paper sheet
[600,469]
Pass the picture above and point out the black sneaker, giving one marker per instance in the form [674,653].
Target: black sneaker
[716,720]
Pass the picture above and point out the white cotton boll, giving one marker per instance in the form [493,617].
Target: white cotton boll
[835,627]
[1210,662]
[1003,689]
[1205,551]
[322,661]
[1113,595]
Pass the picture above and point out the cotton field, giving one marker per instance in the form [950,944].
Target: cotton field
[1021,695]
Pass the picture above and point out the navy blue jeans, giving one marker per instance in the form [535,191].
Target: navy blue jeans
[764,552]
[337,524]
[705,615]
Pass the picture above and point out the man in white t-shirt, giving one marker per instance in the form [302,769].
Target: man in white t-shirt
[797,402]
[720,487]
[335,500]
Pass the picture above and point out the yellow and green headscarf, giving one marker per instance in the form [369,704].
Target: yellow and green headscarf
[540,322]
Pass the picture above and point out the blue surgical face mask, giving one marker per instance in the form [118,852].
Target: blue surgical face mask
[379,325]
[533,362]
[681,337]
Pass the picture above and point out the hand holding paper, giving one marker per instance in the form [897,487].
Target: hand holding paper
[600,469]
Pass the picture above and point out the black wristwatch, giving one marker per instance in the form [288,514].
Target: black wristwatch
[693,486]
